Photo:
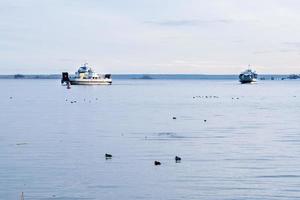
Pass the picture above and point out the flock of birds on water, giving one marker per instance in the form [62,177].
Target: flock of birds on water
[156,162]
[177,159]
[110,156]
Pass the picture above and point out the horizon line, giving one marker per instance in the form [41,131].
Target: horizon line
[204,74]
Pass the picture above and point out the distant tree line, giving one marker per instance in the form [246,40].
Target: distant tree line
[293,76]
[19,76]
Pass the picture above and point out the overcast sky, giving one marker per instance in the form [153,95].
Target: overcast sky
[150,36]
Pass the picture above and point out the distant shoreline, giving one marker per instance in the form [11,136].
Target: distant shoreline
[158,76]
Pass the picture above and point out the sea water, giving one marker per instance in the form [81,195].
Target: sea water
[236,141]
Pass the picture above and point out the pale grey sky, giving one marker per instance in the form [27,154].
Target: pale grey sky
[150,36]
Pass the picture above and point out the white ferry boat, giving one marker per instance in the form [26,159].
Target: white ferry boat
[248,76]
[86,76]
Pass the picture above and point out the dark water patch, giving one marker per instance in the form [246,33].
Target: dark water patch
[64,198]
[22,143]
[249,159]
[214,137]
[202,160]
[193,179]
[278,176]
[188,118]
[163,139]
[284,196]
[254,168]
[290,190]
[218,115]
[289,141]
[236,188]
[104,186]
[252,126]
[170,136]
[166,134]
[190,135]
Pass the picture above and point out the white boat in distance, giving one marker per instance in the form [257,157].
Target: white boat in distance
[248,76]
[86,76]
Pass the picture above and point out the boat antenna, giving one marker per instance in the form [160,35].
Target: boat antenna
[86,63]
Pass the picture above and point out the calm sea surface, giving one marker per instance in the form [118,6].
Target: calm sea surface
[52,149]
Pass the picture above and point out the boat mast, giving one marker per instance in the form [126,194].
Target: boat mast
[86,63]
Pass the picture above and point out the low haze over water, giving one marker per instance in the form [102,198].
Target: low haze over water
[236,141]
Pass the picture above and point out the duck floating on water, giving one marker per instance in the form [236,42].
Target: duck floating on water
[108,156]
[177,159]
[157,163]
